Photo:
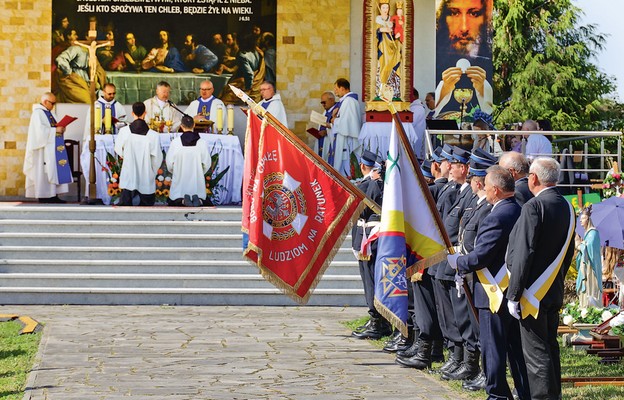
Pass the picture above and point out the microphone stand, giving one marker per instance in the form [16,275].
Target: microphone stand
[172,104]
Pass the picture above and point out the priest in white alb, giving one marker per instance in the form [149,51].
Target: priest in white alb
[142,156]
[272,102]
[188,159]
[346,128]
[46,165]
[206,107]
[117,113]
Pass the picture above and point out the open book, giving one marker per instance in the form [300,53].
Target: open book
[66,121]
[318,119]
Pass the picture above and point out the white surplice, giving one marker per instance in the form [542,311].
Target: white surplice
[346,130]
[142,157]
[276,108]
[188,164]
[193,110]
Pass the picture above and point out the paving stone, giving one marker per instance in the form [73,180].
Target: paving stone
[148,352]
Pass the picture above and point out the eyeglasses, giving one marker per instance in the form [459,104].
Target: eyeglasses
[206,88]
[323,102]
[51,102]
[111,94]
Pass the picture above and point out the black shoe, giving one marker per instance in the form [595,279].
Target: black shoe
[378,328]
[361,328]
[186,202]
[475,384]
[52,200]
[454,361]
[392,346]
[410,351]
[421,360]
[195,201]
[468,370]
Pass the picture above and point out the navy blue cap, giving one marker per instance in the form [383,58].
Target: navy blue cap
[436,155]
[460,155]
[481,156]
[368,158]
[478,169]
[447,152]
[426,169]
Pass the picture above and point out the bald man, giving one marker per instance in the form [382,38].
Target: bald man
[206,106]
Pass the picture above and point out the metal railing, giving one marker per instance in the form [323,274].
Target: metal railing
[562,137]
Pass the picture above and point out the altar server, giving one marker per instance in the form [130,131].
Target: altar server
[188,160]
[140,149]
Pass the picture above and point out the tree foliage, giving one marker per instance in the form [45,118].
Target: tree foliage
[543,61]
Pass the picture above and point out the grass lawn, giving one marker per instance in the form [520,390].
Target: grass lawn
[17,354]
[573,363]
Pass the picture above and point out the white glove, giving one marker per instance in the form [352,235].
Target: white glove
[459,285]
[452,260]
[514,309]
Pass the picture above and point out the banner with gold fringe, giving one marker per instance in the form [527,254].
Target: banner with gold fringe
[409,233]
[299,212]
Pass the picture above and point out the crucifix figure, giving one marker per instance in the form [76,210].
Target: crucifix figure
[91,44]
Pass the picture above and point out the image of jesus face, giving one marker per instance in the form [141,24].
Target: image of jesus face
[465,20]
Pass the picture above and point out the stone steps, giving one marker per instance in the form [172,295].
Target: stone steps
[68,254]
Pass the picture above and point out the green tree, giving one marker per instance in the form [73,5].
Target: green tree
[543,61]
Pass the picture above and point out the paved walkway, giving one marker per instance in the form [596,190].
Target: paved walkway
[175,353]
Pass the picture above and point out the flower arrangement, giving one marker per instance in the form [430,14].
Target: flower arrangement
[112,169]
[213,188]
[617,325]
[612,184]
[572,313]
[163,182]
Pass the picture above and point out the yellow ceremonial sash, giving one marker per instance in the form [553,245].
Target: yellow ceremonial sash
[532,296]
[494,286]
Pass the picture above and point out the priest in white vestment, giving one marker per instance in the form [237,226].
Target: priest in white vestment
[40,162]
[142,156]
[321,146]
[206,107]
[272,102]
[346,128]
[106,100]
[188,159]
[158,108]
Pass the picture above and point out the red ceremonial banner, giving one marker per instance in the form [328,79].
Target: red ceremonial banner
[252,138]
[299,214]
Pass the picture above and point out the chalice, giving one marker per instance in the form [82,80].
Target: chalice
[463,96]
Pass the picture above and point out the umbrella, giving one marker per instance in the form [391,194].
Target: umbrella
[608,218]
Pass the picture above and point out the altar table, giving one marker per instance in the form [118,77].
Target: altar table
[227,146]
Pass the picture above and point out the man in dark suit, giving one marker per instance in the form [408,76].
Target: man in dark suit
[518,165]
[538,258]
[372,185]
[499,332]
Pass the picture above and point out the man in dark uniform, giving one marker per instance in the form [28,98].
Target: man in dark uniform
[440,170]
[453,309]
[499,332]
[372,186]
[518,165]
[538,258]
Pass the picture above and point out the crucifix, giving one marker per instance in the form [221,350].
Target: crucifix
[91,44]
